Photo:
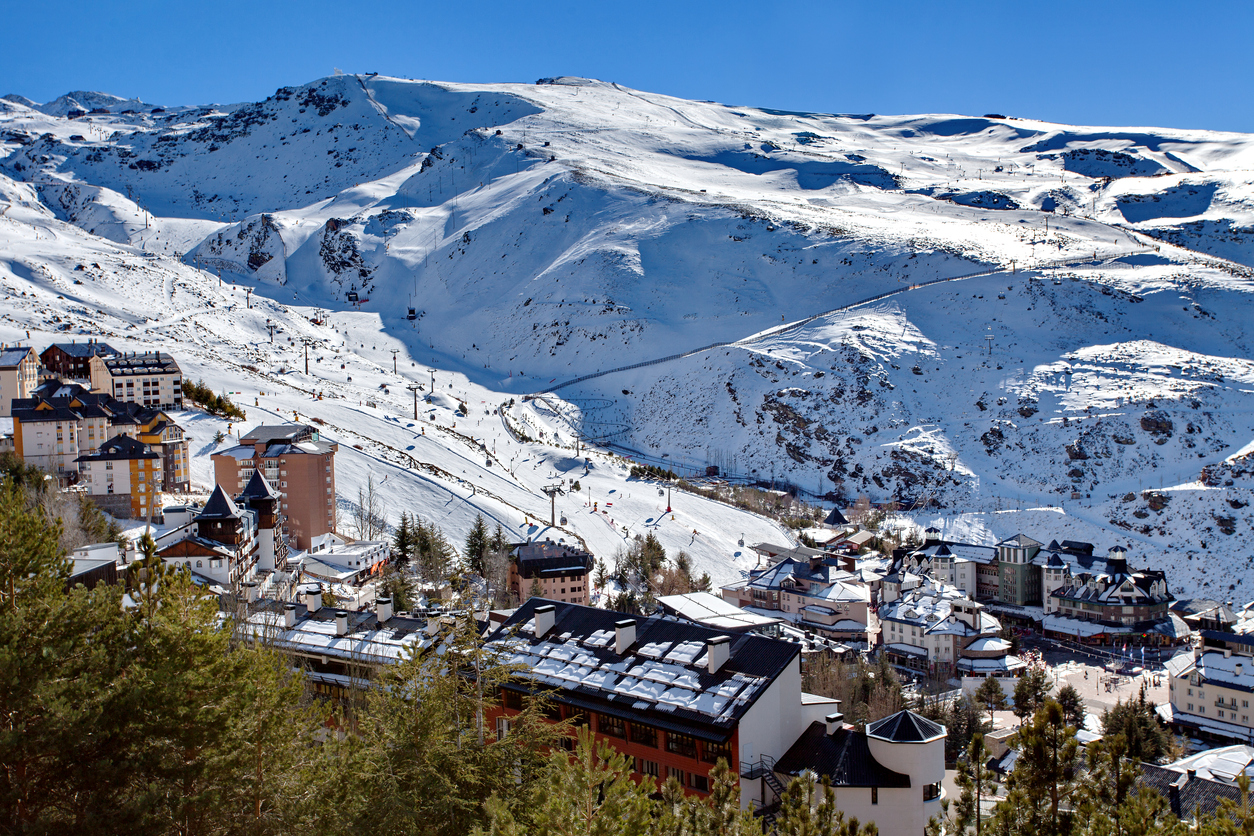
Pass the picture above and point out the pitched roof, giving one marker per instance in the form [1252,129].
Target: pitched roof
[1021,541]
[835,518]
[11,357]
[90,349]
[272,433]
[662,678]
[118,448]
[219,507]
[844,756]
[905,727]
[259,488]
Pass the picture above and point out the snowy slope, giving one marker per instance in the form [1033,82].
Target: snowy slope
[544,232]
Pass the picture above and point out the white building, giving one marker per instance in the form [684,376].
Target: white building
[890,774]
[935,627]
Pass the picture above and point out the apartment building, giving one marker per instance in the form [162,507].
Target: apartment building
[72,360]
[295,460]
[1210,689]
[936,630]
[149,378]
[123,476]
[61,421]
[813,592]
[19,374]
[555,571]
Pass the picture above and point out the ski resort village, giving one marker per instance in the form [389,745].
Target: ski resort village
[763,449]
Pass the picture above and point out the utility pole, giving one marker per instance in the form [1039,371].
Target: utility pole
[270,325]
[432,380]
[414,387]
[248,300]
[395,351]
[668,498]
[988,338]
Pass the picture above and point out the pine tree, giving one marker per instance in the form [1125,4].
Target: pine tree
[974,781]
[477,546]
[1031,692]
[810,809]
[1043,778]
[991,696]
[403,541]
[1138,722]
[1073,708]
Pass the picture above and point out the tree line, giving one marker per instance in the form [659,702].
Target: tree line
[212,403]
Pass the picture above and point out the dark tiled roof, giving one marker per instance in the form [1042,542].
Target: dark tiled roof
[259,488]
[905,727]
[1187,796]
[219,507]
[272,433]
[122,365]
[844,756]
[83,349]
[592,675]
[11,357]
[121,447]
[551,560]
[836,518]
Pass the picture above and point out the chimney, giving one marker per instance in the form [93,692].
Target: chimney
[624,635]
[835,722]
[250,591]
[341,622]
[313,601]
[1227,652]
[289,616]
[1239,668]
[432,627]
[717,650]
[383,609]
[544,618]
[815,562]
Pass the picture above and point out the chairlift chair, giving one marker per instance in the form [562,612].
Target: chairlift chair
[413,314]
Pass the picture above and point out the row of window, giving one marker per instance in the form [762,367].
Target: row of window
[638,733]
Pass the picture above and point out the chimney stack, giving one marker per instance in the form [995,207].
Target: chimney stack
[289,616]
[717,651]
[383,609]
[624,635]
[835,722]
[250,591]
[341,622]
[545,616]
[313,601]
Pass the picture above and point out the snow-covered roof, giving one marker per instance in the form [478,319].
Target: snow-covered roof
[663,674]
[1222,764]
[712,611]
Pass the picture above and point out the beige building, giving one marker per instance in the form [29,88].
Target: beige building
[150,379]
[19,374]
[550,570]
[123,477]
[1210,689]
[295,461]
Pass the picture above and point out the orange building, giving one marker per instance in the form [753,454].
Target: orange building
[550,570]
[295,461]
[123,477]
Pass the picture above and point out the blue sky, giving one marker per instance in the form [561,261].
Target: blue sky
[1092,62]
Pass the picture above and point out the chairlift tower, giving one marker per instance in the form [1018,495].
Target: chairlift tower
[414,387]
[552,491]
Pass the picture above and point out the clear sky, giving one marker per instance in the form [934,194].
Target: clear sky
[1151,62]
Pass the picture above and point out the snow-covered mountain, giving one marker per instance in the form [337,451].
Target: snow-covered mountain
[1086,374]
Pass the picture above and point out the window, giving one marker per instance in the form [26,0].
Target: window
[511,699]
[200,564]
[931,792]
[681,744]
[711,752]
[676,773]
[502,728]
[700,782]
[577,716]
[644,735]
[612,726]
[645,767]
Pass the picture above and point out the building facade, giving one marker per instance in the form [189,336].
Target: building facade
[295,460]
[19,375]
[223,544]
[72,361]
[554,571]
[148,379]
[1210,689]
[123,476]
